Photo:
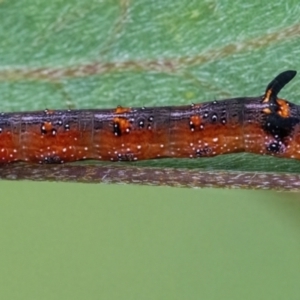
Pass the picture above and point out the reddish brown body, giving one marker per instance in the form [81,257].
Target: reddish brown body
[262,125]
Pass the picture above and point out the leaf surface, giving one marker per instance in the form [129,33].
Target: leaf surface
[99,54]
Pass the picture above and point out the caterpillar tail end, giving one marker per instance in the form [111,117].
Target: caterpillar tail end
[277,84]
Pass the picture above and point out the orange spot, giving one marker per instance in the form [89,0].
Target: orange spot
[124,124]
[47,126]
[196,120]
[267,110]
[267,96]
[121,110]
[284,108]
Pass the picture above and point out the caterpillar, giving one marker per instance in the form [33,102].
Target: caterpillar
[265,125]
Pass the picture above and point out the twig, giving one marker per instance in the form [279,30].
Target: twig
[152,176]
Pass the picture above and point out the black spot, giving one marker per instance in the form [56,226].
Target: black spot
[275,147]
[281,129]
[205,115]
[53,159]
[214,118]
[117,129]
[126,156]
[223,121]
[203,151]
[141,123]
[192,126]
[278,126]
[53,131]
[43,129]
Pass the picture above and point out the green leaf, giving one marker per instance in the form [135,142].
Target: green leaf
[95,54]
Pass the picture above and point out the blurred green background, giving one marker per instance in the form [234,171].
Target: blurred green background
[76,241]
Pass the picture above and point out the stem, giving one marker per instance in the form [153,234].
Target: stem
[152,176]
